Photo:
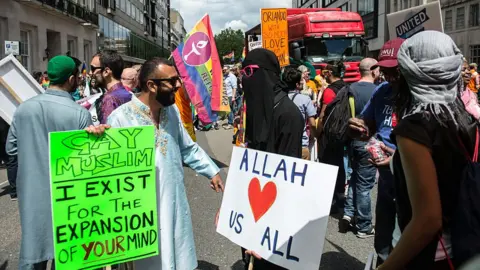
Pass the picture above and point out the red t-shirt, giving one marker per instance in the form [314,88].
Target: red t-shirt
[328,96]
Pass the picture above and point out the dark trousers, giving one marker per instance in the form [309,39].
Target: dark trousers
[385,215]
[43,265]
[12,167]
[230,114]
[358,202]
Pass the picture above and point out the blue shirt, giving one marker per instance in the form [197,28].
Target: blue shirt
[305,105]
[230,83]
[379,109]
[362,92]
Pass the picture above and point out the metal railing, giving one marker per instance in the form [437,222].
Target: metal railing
[73,9]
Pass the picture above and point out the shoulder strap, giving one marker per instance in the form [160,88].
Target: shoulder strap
[351,101]
[294,96]
[277,101]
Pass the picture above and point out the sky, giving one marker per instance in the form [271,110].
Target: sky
[237,14]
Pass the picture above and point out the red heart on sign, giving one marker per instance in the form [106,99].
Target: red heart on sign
[261,200]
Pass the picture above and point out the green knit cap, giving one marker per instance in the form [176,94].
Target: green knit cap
[60,68]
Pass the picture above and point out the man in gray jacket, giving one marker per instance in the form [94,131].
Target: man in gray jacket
[33,120]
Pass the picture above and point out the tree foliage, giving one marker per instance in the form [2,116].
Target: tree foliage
[229,40]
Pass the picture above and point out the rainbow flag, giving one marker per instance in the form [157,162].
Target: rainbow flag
[244,52]
[200,69]
[84,70]
[229,55]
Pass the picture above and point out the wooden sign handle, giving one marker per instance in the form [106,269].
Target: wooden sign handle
[10,90]
[250,264]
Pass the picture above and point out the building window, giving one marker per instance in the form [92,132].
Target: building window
[395,6]
[365,7]
[370,24]
[87,50]
[25,50]
[448,20]
[344,7]
[327,3]
[72,47]
[368,9]
[474,53]
[460,22]
[473,16]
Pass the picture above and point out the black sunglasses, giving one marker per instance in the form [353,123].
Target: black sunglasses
[93,68]
[173,80]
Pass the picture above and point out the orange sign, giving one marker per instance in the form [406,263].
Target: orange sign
[275,33]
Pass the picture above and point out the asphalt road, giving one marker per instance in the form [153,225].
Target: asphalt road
[341,251]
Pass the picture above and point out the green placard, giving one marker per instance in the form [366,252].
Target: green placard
[104,200]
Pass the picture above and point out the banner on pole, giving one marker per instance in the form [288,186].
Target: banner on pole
[103,189]
[277,206]
[275,33]
[199,67]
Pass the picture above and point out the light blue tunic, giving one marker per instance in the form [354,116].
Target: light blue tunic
[53,110]
[173,145]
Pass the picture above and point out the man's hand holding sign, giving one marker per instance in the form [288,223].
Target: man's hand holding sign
[277,207]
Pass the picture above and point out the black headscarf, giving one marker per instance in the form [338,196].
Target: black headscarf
[262,91]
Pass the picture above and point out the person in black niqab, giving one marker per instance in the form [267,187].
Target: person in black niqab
[274,124]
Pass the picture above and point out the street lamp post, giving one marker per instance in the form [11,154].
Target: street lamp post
[162,19]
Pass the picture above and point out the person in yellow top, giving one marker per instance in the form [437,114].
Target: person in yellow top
[474,84]
[183,103]
[309,86]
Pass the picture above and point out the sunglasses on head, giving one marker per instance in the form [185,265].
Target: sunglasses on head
[173,80]
[249,70]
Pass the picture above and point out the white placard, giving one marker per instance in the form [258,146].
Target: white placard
[89,104]
[277,206]
[254,44]
[16,86]
[12,47]
[410,21]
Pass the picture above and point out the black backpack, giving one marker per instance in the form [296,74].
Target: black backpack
[337,114]
[465,225]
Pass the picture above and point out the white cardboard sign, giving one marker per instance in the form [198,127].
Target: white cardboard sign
[254,44]
[277,206]
[408,22]
[16,86]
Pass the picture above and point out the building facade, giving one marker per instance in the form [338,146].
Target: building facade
[177,28]
[461,20]
[46,28]
[137,29]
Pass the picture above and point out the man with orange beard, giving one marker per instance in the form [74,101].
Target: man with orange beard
[183,103]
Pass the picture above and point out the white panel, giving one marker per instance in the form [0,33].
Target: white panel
[20,82]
